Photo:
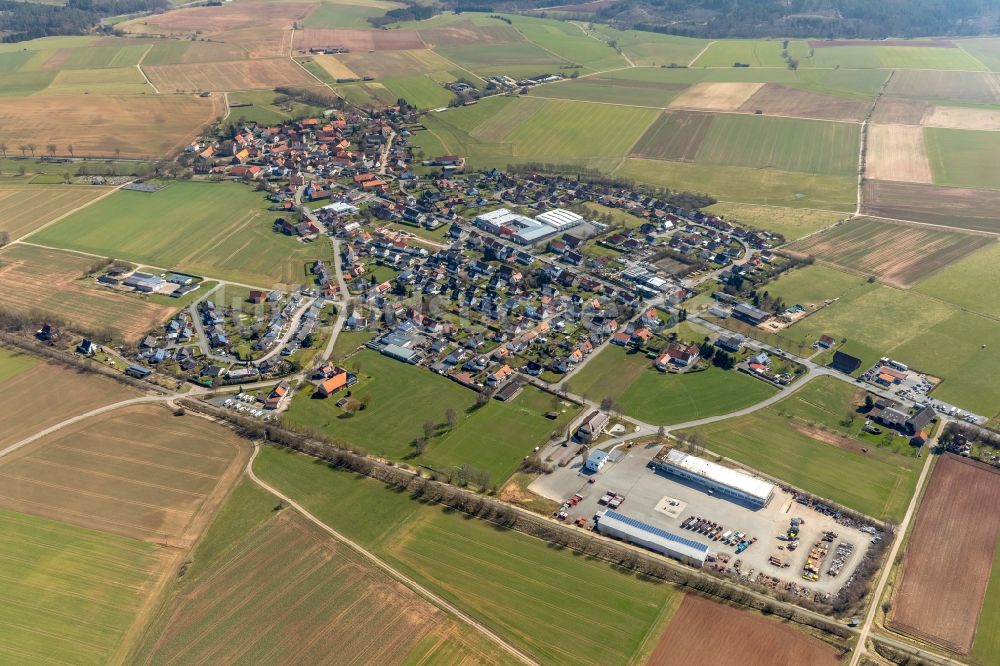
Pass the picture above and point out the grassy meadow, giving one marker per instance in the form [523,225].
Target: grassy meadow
[222,230]
[803,440]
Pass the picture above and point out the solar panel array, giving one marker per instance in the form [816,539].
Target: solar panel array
[676,538]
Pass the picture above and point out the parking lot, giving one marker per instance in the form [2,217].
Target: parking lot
[917,388]
[244,403]
[667,502]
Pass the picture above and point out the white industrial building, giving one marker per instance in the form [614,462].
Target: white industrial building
[559,219]
[717,478]
[622,527]
[522,230]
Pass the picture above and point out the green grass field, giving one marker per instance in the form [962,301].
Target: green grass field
[517,59]
[558,607]
[655,397]
[612,90]
[963,158]
[345,15]
[493,438]
[13,363]
[650,48]
[892,57]
[776,440]
[731,184]
[791,223]
[814,284]
[263,110]
[69,594]
[569,42]
[753,52]
[420,90]
[222,604]
[809,146]
[987,644]
[968,283]
[221,230]
[986,51]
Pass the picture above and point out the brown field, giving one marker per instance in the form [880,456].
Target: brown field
[890,111]
[962,118]
[140,126]
[24,208]
[897,152]
[957,207]
[287,593]
[139,472]
[358,40]
[950,554]
[335,67]
[708,633]
[715,96]
[585,7]
[466,33]
[238,75]
[925,43]
[49,281]
[34,410]
[959,86]
[896,253]
[778,100]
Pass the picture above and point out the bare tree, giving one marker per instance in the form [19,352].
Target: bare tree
[419,445]
[3,149]
[4,238]
[51,148]
[429,428]
[452,417]
[118,152]
[32,147]
[69,149]
[23,148]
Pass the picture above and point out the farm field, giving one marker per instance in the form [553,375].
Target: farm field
[514,59]
[897,152]
[24,208]
[393,64]
[897,254]
[675,135]
[778,100]
[104,125]
[51,282]
[34,381]
[218,229]
[716,96]
[731,184]
[791,223]
[663,398]
[137,472]
[493,438]
[468,32]
[811,285]
[118,81]
[914,56]
[967,282]
[237,75]
[569,42]
[803,441]
[987,643]
[945,86]
[954,538]
[356,40]
[957,117]
[755,53]
[179,52]
[964,158]
[610,89]
[503,578]
[347,15]
[69,594]
[960,208]
[421,91]
[653,49]
[773,642]
[220,606]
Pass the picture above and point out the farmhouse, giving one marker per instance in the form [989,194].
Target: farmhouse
[593,426]
[678,354]
[716,478]
[334,383]
[628,529]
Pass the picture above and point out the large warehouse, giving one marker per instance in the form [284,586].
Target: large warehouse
[622,527]
[717,478]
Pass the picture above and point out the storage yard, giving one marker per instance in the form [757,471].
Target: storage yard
[780,543]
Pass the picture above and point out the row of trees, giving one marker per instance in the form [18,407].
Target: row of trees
[21,21]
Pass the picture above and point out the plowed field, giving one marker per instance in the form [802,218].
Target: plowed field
[705,632]
[950,554]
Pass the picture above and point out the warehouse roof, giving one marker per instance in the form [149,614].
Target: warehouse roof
[669,540]
[726,476]
[559,218]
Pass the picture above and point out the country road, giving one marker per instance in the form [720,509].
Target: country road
[393,572]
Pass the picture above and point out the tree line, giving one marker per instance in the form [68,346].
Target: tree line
[21,21]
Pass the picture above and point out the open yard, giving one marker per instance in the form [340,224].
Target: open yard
[137,472]
[731,184]
[35,382]
[656,397]
[24,208]
[105,125]
[52,283]
[522,588]
[956,207]
[493,438]
[218,229]
[706,632]
[258,572]
[69,594]
[236,75]
[949,557]
[896,253]
[897,152]
[803,440]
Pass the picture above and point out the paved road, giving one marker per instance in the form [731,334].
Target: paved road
[395,573]
[290,327]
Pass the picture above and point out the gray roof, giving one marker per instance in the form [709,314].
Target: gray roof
[668,540]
